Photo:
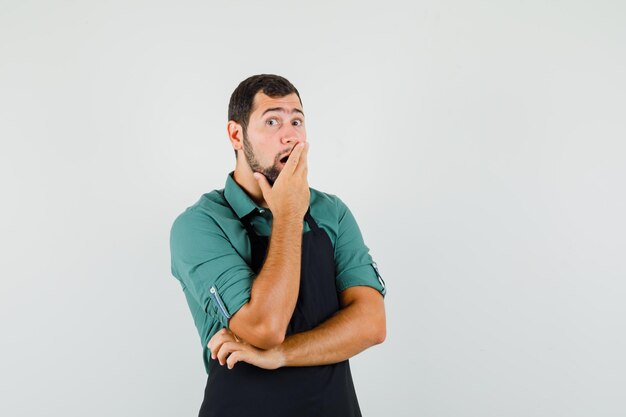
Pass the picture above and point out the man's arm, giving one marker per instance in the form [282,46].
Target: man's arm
[263,320]
[359,324]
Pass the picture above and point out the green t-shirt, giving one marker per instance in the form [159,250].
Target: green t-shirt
[211,252]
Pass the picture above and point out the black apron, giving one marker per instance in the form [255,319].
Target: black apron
[322,390]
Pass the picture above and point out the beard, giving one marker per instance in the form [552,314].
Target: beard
[271,172]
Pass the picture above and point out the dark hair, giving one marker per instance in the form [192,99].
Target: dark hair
[240,105]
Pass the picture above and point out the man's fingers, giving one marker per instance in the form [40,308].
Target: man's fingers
[218,339]
[234,358]
[303,160]
[212,345]
[225,349]
[263,183]
[294,157]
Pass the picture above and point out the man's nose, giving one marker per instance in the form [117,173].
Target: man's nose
[291,137]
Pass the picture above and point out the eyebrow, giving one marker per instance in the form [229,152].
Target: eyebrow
[282,109]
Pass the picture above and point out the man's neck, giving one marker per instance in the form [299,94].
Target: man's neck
[243,176]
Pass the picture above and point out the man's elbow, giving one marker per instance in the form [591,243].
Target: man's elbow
[261,335]
[269,337]
[378,329]
[379,335]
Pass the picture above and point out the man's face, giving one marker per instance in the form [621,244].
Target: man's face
[276,125]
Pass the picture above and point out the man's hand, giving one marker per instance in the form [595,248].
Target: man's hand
[230,349]
[290,194]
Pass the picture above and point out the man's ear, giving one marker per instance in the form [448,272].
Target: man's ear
[235,134]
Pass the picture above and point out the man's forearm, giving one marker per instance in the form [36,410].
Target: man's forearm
[350,331]
[274,291]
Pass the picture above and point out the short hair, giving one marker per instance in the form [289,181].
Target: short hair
[242,99]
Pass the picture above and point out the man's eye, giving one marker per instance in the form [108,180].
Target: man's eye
[269,122]
[297,122]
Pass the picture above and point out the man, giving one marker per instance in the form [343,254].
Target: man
[280,284]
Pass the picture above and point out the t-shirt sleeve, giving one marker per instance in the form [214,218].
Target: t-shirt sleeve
[206,263]
[353,261]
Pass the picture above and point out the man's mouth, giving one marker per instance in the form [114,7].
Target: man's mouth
[284,159]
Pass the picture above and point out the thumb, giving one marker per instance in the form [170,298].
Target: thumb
[265,186]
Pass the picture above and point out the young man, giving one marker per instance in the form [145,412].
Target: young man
[280,284]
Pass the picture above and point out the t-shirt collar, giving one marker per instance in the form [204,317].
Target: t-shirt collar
[237,198]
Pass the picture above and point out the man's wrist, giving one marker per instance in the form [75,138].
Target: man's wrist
[281,355]
[288,223]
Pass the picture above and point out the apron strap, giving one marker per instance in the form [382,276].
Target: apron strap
[245,220]
[309,219]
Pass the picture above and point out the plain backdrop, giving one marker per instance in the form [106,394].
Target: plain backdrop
[479,144]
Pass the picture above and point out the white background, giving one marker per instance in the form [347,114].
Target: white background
[480,145]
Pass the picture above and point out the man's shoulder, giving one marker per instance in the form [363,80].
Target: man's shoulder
[208,209]
[321,197]
[327,205]
[213,209]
